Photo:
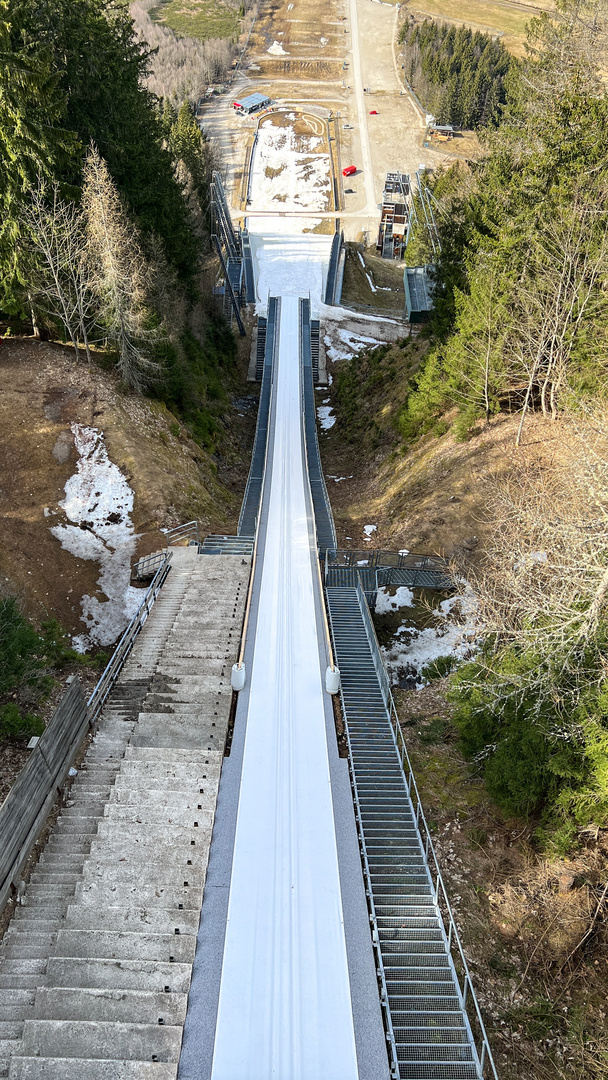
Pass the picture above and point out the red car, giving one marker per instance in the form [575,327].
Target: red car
[373,112]
[350,170]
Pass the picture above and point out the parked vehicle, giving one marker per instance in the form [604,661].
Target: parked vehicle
[373,112]
[350,170]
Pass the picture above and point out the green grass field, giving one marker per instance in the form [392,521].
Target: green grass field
[201,19]
[500,16]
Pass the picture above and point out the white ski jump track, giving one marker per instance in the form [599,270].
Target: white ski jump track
[285,1007]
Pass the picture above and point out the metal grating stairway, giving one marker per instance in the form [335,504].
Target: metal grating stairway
[251,499]
[219,544]
[260,348]
[326,534]
[428,1028]
[315,337]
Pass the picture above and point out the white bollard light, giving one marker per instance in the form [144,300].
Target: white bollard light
[332,680]
[237,677]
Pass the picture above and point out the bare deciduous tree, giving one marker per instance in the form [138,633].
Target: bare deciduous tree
[61,279]
[544,586]
[557,298]
[182,67]
[120,277]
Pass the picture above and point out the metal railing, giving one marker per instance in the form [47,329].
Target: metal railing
[377,557]
[103,689]
[455,950]
[148,565]
[181,532]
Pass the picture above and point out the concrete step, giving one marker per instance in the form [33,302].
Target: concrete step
[124,1006]
[11,1029]
[17,1005]
[162,815]
[187,754]
[45,876]
[76,826]
[37,1068]
[73,843]
[20,982]
[27,920]
[159,770]
[145,798]
[135,919]
[116,832]
[149,896]
[118,974]
[126,946]
[162,872]
[49,908]
[15,999]
[100,1039]
[28,945]
[175,737]
[54,859]
[20,975]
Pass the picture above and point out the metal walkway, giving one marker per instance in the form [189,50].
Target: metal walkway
[334,262]
[219,544]
[433,1025]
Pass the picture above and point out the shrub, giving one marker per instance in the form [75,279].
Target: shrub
[15,724]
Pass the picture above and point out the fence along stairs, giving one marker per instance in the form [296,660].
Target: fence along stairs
[429,1031]
[95,967]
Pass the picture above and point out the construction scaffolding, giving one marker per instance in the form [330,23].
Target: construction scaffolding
[394,216]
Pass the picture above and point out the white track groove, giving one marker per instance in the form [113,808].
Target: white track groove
[285,1007]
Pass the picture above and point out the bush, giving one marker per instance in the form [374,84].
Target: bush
[439,667]
[18,725]
[20,646]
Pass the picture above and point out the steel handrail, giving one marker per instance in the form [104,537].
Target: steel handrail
[147,561]
[180,532]
[466,991]
[111,672]
[379,557]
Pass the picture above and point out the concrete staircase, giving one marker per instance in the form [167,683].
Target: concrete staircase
[95,965]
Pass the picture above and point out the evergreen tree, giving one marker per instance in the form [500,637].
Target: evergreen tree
[33,141]
[100,68]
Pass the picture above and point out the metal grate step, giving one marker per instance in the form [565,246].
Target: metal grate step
[432,1037]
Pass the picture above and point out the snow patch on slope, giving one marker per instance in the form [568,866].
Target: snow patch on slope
[99,501]
[286,172]
[457,632]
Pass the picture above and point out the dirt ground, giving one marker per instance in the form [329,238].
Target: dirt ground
[316,67]
[430,499]
[43,391]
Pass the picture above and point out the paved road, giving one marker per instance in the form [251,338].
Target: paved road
[366,154]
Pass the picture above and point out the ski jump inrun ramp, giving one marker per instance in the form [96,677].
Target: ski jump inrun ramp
[286,981]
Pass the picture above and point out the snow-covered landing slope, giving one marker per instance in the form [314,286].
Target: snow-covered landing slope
[289,263]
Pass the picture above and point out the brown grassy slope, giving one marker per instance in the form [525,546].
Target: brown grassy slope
[43,391]
[429,496]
